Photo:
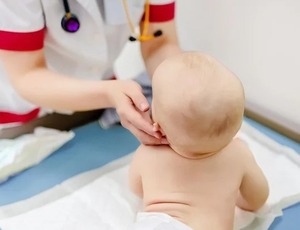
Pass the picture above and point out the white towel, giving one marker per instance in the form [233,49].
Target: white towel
[107,204]
[29,149]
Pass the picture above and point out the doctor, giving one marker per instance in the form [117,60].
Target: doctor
[58,55]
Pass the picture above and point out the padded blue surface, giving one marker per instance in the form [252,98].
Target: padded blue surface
[283,140]
[93,147]
[291,215]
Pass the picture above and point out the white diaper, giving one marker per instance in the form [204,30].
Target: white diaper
[157,221]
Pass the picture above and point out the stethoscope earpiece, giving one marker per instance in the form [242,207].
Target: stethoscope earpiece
[157,33]
[70,23]
[143,38]
[132,39]
[144,33]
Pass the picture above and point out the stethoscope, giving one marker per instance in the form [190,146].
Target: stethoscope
[70,23]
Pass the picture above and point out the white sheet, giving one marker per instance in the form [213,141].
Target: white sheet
[107,204]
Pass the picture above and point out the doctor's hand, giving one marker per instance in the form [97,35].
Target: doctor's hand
[133,109]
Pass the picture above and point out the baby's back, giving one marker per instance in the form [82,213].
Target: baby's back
[199,192]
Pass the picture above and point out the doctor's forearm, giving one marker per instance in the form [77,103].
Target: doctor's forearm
[153,59]
[52,90]
[156,50]
[30,77]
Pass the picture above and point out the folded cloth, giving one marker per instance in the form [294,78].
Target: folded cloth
[106,203]
[29,149]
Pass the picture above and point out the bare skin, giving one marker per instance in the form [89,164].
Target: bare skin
[202,193]
[205,171]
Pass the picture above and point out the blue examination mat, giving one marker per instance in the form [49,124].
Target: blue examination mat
[93,147]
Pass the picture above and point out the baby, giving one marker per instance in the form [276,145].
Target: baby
[196,181]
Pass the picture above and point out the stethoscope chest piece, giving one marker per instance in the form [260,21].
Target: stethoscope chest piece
[70,23]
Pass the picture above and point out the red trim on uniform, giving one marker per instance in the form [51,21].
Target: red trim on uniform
[22,41]
[7,117]
[161,13]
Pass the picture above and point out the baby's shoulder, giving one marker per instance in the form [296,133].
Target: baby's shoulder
[153,148]
[238,143]
[148,156]
[149,151]
[239,149]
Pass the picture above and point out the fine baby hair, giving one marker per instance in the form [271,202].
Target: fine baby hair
[197,102]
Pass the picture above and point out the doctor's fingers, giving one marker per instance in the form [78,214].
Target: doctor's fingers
[131,116]
[140,125]
[145,138]
[135,93]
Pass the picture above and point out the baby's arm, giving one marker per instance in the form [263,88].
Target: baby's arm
[135,180]
[254,189]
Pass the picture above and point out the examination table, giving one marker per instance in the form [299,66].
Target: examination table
[93,147]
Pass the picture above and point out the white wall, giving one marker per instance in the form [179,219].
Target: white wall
[259,40]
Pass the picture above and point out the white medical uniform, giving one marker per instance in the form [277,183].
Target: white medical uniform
[89,53]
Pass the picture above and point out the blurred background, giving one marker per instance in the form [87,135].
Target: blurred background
[259,40]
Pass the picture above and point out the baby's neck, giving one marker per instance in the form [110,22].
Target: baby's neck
[194,156]
[197,154]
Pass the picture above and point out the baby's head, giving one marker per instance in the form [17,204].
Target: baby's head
[197,103]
